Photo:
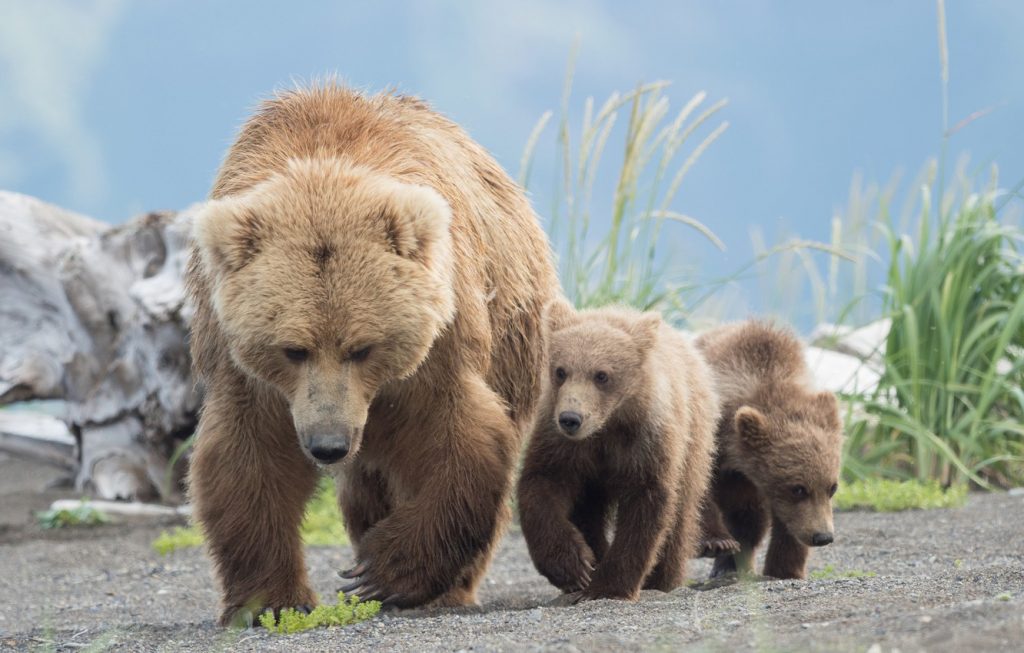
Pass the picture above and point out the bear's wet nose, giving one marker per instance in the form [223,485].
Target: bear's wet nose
[328,450]
[821,539]
[570,421]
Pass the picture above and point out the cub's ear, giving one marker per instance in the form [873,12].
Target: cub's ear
[645,329]
[826,410]
[558,314]
[229,234]
[416,222]
[751,426]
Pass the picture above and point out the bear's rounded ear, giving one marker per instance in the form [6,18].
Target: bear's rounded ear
[416,222]
[645,329]
[826,410]
[558,314]
[751,426]
[229,233]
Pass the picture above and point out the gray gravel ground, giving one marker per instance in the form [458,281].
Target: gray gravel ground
[944,580]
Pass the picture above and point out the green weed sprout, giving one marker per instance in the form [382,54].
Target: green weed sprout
[83,515]
[830,572]
[887,495]
[345,613]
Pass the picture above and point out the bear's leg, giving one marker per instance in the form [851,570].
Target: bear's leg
[457,463]
[363,499]
[641,526]
[249,485]
[685,533]
[745,516]
[590,514]
[546,498]
[464,590]
[787,556]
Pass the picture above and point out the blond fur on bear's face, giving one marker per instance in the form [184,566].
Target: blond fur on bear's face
[798,460]
[593,364]
[330,280]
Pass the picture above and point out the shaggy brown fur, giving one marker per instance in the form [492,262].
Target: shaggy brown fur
[368,286]
[626,424]
[779,444]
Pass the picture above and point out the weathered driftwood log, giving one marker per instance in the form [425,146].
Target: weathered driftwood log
[94,315]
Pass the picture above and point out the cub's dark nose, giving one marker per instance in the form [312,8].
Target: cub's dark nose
[570,421]
[328,450]
[821,539]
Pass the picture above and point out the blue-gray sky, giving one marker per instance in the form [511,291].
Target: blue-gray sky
[112,107]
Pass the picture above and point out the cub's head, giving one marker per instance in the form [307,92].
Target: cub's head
[792,453]
[328,281]
[595,362]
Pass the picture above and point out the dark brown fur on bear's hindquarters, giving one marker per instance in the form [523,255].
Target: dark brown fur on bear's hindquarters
[368,288]
[626,425]
[778,448]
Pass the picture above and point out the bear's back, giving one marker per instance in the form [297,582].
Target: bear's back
[748,357]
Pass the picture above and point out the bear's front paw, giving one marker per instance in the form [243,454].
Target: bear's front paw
[394,574]
[570,568]
[712,547]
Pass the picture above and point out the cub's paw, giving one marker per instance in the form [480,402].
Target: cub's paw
[713,547]
[570,568]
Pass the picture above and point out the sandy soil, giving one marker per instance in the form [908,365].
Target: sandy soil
[945,580]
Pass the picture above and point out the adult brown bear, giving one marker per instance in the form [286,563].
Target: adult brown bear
[368,286]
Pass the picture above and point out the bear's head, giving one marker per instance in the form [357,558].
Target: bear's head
[328,280]
[595,363]
[791,447]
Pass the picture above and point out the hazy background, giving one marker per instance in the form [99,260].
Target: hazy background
[112,108]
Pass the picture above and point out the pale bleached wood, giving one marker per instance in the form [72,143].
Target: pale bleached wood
[95,315]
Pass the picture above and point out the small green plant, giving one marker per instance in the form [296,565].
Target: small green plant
[321,526]
[84,515]
[829,572]
[344,613]
[887,495]
[179,537]
[1005,596]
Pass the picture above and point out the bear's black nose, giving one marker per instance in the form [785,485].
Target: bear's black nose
[329,451]
[821,539]
[570,421]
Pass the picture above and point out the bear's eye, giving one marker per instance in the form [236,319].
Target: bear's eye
[799,492]
[832,490]
[560,374]
[358,355]
[296,354]
[601,378]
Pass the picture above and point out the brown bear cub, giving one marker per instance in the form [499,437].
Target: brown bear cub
[779,442]
[625,426]
[368,288]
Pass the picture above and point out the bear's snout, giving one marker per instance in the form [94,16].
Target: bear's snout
[570,421]
[329,449]
[821,539]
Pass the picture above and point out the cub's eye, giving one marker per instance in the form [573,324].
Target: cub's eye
[358,355]
[601,378]
[296,354]
[560,374]
[832,490]
[799,492]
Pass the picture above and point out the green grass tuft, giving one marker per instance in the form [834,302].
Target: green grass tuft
[83,515]
[344,613]
[322,525]
[830,572]
[886,495]
[179,537]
